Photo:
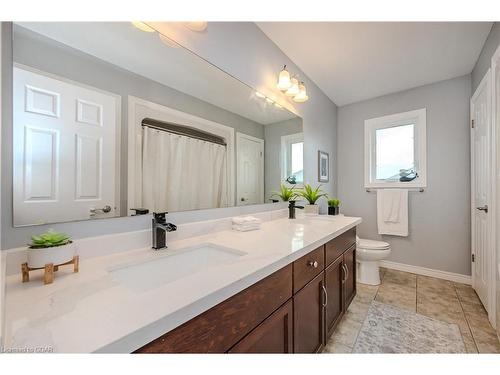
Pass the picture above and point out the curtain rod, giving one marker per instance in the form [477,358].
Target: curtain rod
[184,130]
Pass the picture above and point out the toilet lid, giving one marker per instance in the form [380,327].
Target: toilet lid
[372,245]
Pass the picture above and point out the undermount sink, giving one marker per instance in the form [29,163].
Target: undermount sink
[166,268]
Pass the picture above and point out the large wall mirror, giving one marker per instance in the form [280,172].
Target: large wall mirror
[110,120]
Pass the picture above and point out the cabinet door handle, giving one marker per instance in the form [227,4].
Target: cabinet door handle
[346,272]
[313,264]
[325,300]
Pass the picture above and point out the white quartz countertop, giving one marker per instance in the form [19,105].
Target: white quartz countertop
[91,311]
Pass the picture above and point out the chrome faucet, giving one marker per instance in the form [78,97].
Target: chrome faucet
[160,229]
[291,209]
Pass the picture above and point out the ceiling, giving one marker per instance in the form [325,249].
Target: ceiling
[354,61]
[143,53]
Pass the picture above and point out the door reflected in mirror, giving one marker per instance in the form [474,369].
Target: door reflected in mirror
[109,121]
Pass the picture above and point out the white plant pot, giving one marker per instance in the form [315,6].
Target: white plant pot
[311,209]
[38,258]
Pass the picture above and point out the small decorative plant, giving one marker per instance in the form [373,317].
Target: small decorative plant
[51,238]
[286,193]
[333,206]
[48,251]
[333,202]
[311,195]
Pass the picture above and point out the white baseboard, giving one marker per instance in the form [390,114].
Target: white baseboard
[455,277]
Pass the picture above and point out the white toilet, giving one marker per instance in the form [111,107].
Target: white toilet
[368,255]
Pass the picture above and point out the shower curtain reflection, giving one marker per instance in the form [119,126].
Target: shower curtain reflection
[182,173]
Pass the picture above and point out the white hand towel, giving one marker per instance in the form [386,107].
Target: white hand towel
[245,219]
[392,212]
[246,228]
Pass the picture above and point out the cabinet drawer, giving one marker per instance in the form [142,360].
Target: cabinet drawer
[308,267]
[335,247]
[218,329]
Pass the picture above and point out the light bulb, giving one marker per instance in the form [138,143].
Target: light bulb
[143,26]
[302,95]
[197,26]
[294,89]
[284,81]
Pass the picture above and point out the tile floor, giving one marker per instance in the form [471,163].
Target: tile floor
[439,299]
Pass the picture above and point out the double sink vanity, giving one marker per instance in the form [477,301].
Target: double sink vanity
[280,289]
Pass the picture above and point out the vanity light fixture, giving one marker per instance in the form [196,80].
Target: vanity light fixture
[294,89]
[143,26]
[284,81]
[301,97]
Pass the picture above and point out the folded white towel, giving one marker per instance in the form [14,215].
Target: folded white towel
[246,228]
[246,219]
[392,212]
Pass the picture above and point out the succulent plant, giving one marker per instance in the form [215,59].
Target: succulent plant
[51,238]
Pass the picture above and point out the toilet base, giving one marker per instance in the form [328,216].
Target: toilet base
[368,272]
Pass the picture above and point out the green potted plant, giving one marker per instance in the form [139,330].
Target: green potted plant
[50,247]
[285,193]
[311,196]
[333,206]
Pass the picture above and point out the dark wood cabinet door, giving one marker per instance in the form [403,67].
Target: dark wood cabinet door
[308,317]
[273,335]
[334,309]
[350,283]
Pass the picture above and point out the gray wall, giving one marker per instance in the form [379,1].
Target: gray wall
[272,150]
[439,218]
[483,63]
[240,49]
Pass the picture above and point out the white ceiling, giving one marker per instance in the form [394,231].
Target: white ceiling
[143,53]
[355,61]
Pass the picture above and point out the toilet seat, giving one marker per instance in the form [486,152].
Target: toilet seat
[372,245]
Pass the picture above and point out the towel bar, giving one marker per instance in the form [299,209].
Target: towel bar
[421,190]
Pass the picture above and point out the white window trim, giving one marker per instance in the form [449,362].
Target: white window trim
[286,140]
[417,117]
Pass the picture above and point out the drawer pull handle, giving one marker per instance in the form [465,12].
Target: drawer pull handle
[313,264]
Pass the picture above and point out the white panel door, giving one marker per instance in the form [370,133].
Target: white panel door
[64,150]
[481,186]
[250,170]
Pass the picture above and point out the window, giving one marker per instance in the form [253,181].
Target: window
[395,150]
[292,157]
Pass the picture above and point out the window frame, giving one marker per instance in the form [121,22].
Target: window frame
[419,119]
[286,144]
